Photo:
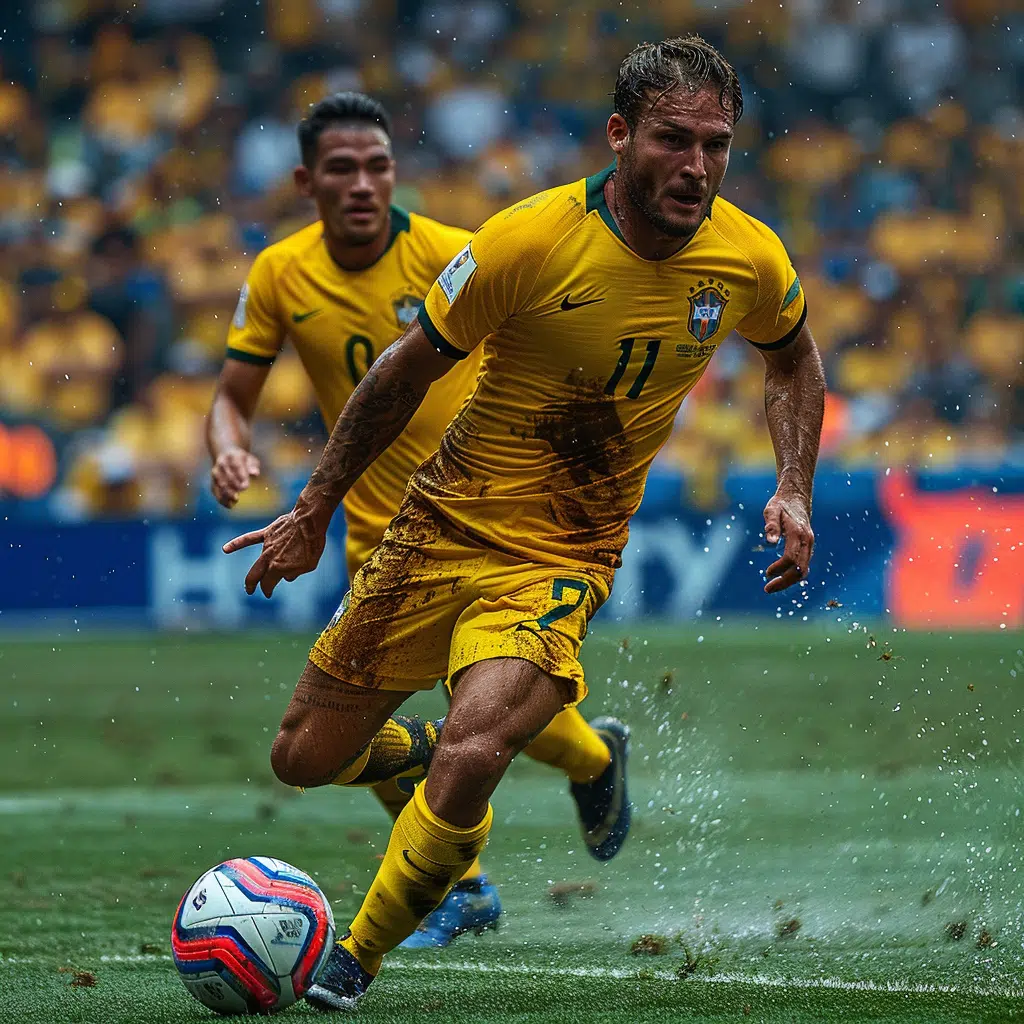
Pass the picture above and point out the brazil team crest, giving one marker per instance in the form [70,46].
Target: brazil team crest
[406,307]
[707,303]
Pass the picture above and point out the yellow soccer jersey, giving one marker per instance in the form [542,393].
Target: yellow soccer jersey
[339,322]
[588,352]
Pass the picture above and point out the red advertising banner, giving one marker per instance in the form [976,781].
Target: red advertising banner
[958,557]
[28,462]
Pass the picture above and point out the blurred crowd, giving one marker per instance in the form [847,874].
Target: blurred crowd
[147,158]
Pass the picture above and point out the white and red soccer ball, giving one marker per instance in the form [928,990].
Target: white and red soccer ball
[250,935]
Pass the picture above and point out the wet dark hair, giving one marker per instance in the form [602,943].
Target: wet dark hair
[349,107]
[659,67]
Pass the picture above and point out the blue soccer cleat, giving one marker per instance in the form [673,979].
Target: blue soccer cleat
[471,906]
[604,808]
[341,982]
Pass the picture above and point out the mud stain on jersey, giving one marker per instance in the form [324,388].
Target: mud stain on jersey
[592,453]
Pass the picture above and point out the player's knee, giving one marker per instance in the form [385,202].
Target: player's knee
[293,763]
[285,760]
[474,756]
[300,758]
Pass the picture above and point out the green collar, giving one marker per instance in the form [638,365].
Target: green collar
[399,223]
[596,200]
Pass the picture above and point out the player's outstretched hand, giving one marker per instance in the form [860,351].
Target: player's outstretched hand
[292,545]
[231,474]
[788,516]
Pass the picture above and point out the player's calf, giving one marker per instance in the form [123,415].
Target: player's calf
[464,773]
[498,706]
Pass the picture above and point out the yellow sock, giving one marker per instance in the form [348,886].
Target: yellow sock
[425,857]
[568,743]
[394,795]
[354,769]
[475,870]
[402,747]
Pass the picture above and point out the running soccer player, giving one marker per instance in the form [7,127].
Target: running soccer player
[342,289]
[598,306]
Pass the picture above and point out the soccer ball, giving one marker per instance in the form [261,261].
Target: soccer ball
[250,935]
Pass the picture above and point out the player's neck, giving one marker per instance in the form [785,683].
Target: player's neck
[358,257]
[637,230]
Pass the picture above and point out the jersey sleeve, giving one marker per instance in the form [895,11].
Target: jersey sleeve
[781,309]
[255,334]
[488,281]
[449,241]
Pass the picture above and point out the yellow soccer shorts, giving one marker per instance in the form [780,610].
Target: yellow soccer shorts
[363,534]
[430,603]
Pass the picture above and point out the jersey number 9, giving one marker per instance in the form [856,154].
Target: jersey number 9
[358,341]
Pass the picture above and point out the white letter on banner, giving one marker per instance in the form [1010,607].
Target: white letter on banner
[696,574]
[208,588]
[184,588]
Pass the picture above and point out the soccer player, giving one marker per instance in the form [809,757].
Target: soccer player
[598,305]
[343,289]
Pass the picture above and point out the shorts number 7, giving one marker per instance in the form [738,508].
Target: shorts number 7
[558,588]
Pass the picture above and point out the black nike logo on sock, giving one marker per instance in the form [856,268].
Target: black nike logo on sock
[567,304]
[426,874]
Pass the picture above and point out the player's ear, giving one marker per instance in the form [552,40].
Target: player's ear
[303,181]
[618,132]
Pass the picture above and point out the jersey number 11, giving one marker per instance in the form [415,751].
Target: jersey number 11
[653,344]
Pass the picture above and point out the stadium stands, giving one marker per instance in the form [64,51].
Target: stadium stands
[147,159]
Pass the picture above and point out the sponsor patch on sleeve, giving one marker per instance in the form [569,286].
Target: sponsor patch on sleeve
[456,274]
[239,318]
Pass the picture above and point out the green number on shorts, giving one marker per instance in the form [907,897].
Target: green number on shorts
[358,341]
[558,588]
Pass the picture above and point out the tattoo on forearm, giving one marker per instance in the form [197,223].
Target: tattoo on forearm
[374,416]
[794,402]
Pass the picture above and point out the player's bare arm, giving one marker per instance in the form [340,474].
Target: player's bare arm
[378,411]
[794,401]
[229,429]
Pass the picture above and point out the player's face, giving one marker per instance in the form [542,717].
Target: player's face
[673,162]
[351,182]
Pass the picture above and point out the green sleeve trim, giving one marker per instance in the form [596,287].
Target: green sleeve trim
[436,338]
[786,339]
[790,296]
[249,357]
[596,201]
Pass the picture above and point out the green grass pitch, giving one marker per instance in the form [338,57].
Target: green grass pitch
[819,835]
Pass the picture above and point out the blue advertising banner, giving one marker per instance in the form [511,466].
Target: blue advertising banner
[164,574]
[939,551]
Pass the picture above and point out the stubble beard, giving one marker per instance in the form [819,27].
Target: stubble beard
[649,209]
[357,241]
